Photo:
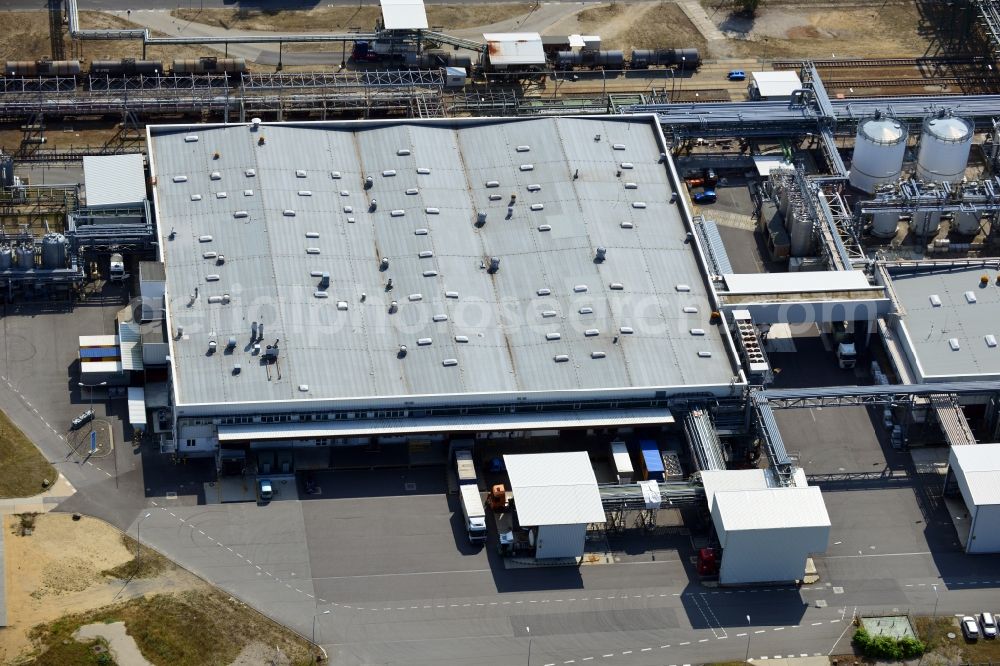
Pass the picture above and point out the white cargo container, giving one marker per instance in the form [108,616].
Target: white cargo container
[621,463]
[465,467]
[475,514]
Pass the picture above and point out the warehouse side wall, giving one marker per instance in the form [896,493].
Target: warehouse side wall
[769,556]
[985,536]
[560,541]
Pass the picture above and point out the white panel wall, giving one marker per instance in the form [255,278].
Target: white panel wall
[770,556]
[985,536]
[560,541]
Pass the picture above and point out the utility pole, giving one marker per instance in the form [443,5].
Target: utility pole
[748,638]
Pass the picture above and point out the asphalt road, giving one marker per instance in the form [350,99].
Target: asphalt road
[123,5]
[400,584]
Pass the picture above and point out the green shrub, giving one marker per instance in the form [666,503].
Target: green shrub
[887,647]
[911,647]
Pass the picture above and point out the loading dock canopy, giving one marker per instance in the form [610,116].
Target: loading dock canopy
[554,489]
[514,48]
[608,418]
[404,14]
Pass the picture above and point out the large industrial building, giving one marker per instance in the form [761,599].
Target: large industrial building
[329,281]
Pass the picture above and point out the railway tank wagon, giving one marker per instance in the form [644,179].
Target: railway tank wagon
[126,67]
[42,68]
[230,66]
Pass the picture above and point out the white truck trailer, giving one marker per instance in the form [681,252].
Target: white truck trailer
[474,512]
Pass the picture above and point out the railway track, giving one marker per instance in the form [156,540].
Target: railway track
[881,62]
[895,83]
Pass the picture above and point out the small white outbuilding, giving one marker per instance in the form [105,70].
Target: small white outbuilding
[555,493]
[766,533]
[976,469]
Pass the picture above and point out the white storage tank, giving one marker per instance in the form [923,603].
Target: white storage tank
[885,224]
[879,148]
[945,142]
[925,222]
[6,257]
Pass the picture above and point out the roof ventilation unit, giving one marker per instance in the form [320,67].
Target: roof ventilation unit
[300,173]
[423,171]
[602,254]
[494,264]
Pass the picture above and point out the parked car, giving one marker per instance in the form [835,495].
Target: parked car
[970,629]
[266,490]
[988,624]
[705,197]
[79,421]
[736,75]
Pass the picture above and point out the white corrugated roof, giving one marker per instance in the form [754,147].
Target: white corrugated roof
[554,488]
[533,421]
[114,180]
[100,367]
[137,406]
[404,14]
[767,163]
[776,84]
[131,346]
[732,479]
[771,508]
[514,48]
[786,283]
[979,464]
[98,340]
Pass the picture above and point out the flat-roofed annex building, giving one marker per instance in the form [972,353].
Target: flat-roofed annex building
[428,277]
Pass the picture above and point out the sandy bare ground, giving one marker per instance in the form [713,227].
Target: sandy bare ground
[57,570]
[822,31]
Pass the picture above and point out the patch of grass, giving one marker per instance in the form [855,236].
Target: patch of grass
[24,468]
[188,629]
[943,650]
[147,564]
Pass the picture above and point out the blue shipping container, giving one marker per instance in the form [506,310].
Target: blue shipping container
[651,461]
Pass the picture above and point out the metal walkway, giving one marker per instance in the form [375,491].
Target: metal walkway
[851,396]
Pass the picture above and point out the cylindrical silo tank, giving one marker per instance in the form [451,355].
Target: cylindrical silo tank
[5,257]
[25,255]
[884,224]
[800,236]
[53,251]
[945,142]
[967,223]
[878,152]
[925,222]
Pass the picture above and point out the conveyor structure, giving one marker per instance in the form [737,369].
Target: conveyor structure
[621,501]
[706,449]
